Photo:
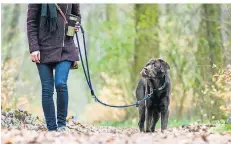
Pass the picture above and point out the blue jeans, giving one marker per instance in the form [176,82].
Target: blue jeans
[47,80]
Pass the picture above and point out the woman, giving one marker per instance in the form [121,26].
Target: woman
[50,49]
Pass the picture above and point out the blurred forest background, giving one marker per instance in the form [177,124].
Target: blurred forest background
[195,39]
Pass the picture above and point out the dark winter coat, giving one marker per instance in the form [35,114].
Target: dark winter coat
[56,46]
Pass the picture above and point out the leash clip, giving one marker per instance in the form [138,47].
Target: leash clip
[150,94]
[137,103]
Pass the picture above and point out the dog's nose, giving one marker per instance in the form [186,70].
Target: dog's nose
[144,71]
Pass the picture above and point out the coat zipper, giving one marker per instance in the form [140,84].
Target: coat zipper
[64,27]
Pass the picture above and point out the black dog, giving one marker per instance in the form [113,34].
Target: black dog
[155,80]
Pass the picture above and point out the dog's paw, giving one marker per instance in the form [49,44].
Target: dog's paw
[147,131]
[163,131]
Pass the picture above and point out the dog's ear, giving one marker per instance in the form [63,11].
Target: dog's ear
[164,66]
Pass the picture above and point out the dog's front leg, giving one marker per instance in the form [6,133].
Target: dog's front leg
[148,109]
[164,119]
[164,112]
[156,117]
[148,116]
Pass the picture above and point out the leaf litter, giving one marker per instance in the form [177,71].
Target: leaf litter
[21,127]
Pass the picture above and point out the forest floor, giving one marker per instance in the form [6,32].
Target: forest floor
[21,127]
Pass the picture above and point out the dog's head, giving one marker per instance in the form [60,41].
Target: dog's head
[155,68]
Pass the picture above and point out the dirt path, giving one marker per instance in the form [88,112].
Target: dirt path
[100,135]
[23,128]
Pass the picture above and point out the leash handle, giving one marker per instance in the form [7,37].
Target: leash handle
[81,27]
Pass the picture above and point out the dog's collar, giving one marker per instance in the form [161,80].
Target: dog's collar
[158,89]
[163,86]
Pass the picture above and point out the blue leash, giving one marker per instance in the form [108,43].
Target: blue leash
[88,78]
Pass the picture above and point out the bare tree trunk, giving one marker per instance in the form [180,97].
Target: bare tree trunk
[225,18]
[209,55]
[146,42]
[12,33]
[210,49]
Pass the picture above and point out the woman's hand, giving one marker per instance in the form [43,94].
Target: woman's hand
[77,28]
[35,56]
[75,65]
